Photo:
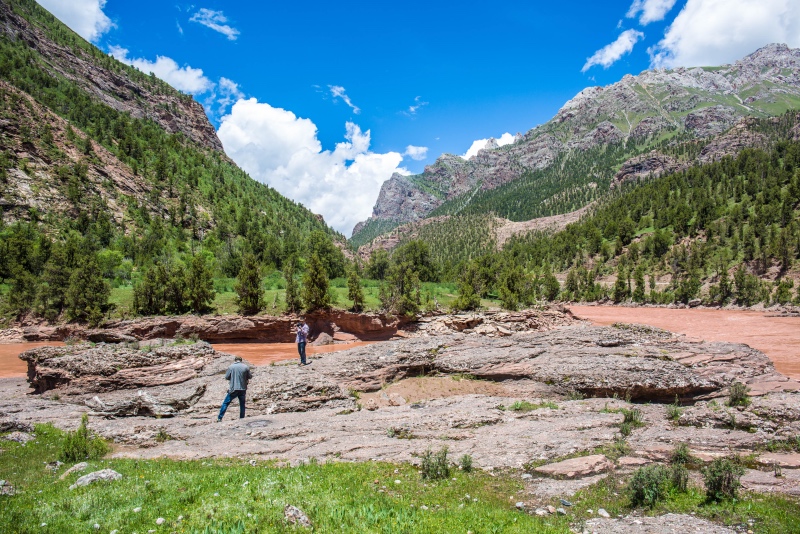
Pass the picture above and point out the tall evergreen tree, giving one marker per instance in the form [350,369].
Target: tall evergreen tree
[200,284]
[249,293]
[87,294]
[293,302]
[354,290]
[315,286]
[401,292]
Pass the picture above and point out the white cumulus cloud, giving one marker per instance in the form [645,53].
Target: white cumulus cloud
[337,91]
[610,54]
[84,17]
[716,32]
[215,20]
[280,149]
[416,106]
[480,144]
[186,79]
[651,10]
[417,153]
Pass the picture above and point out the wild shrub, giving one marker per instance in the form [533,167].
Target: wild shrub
[81,445]
[633,417]
[625,429]
[465,463]
[679,477]
[648,485]
[435,466]
[681,455]
[738,395]
[674,410]
[722,478]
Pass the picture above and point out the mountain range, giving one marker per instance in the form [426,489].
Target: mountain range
[602,136]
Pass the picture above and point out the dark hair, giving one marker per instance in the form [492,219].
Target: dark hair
[237,359]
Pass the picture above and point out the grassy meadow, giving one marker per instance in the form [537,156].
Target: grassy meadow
[240,495]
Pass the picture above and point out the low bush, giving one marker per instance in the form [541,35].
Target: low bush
[738,395]
[435,466]
[465,463]
[681,455]
[722,478]
[633,417]
[648,485]
[80,445]
[679,478]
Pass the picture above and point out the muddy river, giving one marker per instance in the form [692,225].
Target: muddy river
[777,337]
[256,353]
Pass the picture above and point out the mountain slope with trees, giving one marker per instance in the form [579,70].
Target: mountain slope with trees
[570,160]
[100,163]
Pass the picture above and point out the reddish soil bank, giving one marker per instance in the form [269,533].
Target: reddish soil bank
[10,364]
[266,353]
[777,337]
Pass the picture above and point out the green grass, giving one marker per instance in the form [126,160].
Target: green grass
[232,496]
[772,514]
[225,300]
[525,406]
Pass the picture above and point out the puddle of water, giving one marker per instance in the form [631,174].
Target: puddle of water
[10,364]
[777,337]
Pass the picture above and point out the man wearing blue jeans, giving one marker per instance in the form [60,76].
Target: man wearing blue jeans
[237,375]
[301,339]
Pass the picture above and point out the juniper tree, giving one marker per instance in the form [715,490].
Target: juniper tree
[249,293]
[354,290]
[315,286]
[87,294]
[200,284]
[293,302]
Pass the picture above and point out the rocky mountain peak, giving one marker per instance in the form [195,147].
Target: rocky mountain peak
[650,107]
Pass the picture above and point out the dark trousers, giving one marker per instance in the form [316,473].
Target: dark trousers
[301,350]
[238,394]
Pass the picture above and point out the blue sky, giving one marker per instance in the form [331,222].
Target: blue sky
[325,100]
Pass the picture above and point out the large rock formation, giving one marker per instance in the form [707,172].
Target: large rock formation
[701,102]
[530,396]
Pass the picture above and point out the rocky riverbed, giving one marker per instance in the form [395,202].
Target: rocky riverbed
[519,395]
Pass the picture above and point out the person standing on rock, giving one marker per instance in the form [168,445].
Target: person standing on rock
[237,375]
[301,339]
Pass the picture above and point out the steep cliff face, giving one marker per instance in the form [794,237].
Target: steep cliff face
[114,84]
[639,110]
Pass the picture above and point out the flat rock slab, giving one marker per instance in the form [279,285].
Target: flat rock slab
[664,524]
[577,467]
[785,460]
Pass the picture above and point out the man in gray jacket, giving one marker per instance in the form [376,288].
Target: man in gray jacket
[237,375]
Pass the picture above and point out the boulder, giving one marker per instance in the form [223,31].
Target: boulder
[295,516]
[77,468]
[91,478]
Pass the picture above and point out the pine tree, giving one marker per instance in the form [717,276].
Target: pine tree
[469,297]
[200,285]
[293,302]
[638,277]
[621,285]
[250,295]
[401,292]
[315,286]
[87,294]
[354,290]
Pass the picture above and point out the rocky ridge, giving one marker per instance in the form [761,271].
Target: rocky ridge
[42,185]
[530,398]
[117,88]
[699,102]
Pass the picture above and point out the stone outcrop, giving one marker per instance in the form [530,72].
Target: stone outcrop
[337,324]
[448,381]
[577,467]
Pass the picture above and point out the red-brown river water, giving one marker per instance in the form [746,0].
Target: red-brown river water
[777,337]
[255,353]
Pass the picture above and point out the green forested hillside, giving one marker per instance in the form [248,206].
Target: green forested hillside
[732,226]
[199,202]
